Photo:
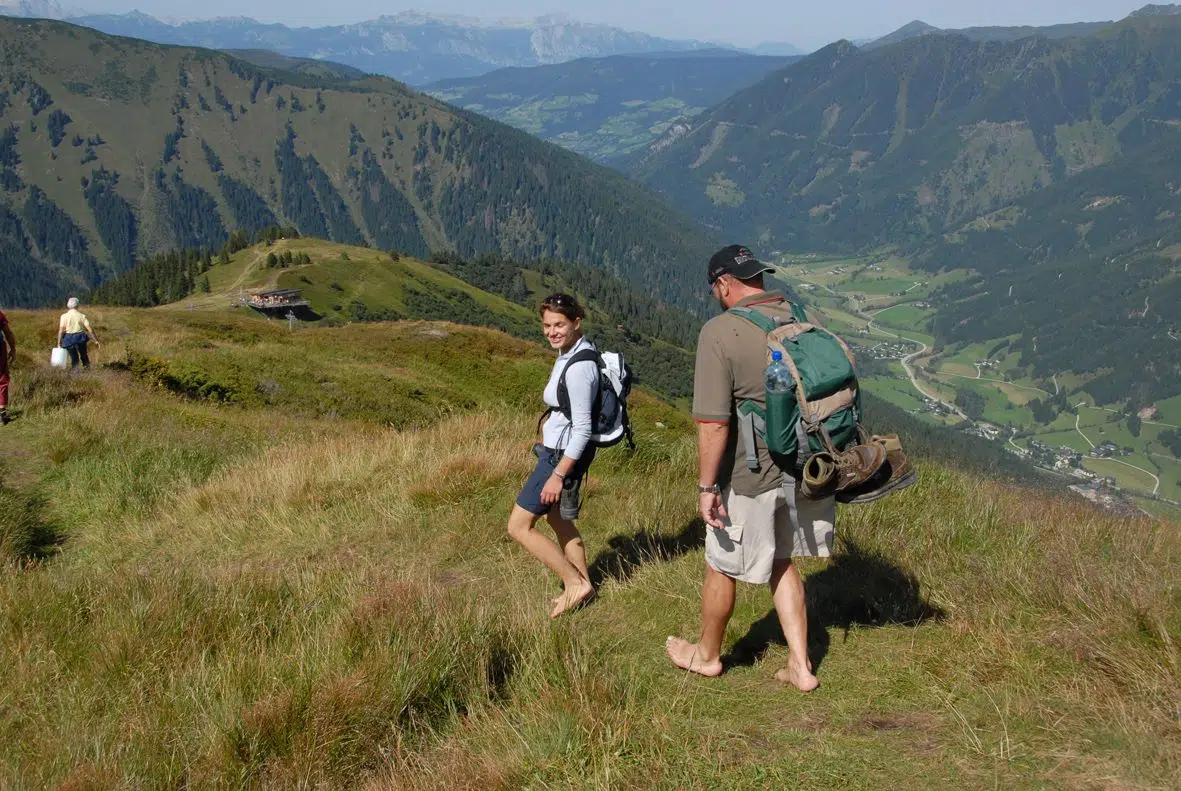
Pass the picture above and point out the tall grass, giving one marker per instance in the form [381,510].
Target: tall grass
[251,597]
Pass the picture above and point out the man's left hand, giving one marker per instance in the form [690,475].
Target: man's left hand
[713,510]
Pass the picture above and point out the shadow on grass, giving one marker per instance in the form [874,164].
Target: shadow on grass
[26,534]
[859,587]
[626,554]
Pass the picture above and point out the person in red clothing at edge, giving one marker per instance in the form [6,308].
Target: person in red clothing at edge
[756,519]
[7,355]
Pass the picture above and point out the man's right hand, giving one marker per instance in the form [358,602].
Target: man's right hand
[713,510]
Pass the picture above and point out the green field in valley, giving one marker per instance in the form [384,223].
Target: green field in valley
[845,285]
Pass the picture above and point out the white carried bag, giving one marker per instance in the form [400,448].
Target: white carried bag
[59,357]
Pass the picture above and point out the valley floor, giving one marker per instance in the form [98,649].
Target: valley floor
[880,304]
[254,575]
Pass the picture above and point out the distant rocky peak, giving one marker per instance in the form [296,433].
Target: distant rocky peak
[37,9]
[1151,9]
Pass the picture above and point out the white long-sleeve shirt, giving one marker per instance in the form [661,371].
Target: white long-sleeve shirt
[582,384]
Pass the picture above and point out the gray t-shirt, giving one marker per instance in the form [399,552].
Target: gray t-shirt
[731,360]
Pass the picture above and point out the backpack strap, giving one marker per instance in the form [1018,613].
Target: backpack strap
[765,322]
[586,355]
[757,318]
[752,424]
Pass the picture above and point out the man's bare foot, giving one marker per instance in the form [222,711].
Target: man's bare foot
[799,677]
[684,655]
[573,598]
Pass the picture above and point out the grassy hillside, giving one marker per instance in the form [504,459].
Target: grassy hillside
[608,108]
[352,284]
[344,283]
[264,593]
[112,149]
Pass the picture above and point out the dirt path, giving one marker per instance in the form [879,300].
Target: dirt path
[1080,431]
[996,381]
[246,270]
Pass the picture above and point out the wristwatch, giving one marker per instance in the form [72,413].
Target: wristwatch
[712,489]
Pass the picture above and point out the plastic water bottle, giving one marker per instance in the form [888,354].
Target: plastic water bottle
[778,377]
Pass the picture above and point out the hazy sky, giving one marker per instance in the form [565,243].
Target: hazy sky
[743,22]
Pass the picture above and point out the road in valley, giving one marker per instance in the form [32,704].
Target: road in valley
[1156,480]
[906,360]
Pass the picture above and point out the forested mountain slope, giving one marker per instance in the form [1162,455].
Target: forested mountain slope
[1094,259]
[990,33]
[849,148]
[1047,168]
[112,149]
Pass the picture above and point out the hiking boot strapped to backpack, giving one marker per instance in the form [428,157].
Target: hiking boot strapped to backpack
[820,415]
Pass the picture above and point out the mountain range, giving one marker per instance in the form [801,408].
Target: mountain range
[1045,167]
[411,46]
[112,149]
[608,108]
[611,108]
[851,148]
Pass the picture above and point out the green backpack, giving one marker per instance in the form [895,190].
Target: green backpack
[823,410]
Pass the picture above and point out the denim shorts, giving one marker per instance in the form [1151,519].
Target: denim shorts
[72,339]
[570,502]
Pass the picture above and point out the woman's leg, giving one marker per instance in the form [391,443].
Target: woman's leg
[82,354]
[73,350]
[570,540]
[521,526]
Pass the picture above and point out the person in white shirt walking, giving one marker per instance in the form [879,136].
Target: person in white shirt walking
[563,456]
[74,332]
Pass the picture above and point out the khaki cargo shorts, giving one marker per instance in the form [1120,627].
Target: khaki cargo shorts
[775,524]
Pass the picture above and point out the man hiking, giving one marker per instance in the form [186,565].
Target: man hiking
[756,520]
[7,355]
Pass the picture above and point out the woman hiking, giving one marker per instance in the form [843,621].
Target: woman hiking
[74,332]
[563,456]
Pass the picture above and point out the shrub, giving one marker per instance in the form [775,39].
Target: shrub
[184,379]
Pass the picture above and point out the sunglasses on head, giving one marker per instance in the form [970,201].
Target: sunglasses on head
[561,300]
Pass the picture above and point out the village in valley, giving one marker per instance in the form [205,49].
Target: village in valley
[1120,460]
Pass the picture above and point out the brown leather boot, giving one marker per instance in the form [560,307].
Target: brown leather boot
[820,476]
[897,473]
[858,464]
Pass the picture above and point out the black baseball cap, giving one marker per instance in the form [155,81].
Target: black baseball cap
[736,260]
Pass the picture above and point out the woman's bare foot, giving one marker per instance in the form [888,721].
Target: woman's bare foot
[799,677]
[684,655]
[572,598]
